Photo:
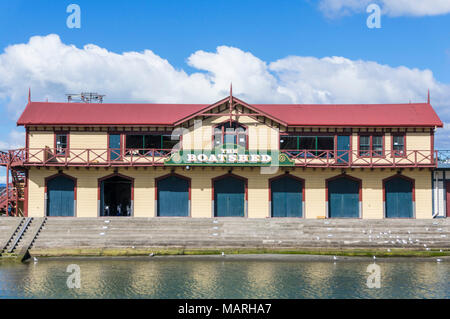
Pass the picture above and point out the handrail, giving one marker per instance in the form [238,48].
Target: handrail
[19,235]
[151,157]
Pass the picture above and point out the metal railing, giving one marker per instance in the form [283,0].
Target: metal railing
[362,158]
[88,157]
[443,158]
[154,157]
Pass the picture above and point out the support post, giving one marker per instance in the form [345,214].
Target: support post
[7,189]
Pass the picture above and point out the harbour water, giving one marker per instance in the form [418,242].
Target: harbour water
[223,278]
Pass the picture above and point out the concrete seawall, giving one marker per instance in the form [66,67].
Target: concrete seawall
[119,236]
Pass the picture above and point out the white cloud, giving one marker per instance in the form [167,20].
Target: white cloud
[393,8]
[52,68]
[16,139]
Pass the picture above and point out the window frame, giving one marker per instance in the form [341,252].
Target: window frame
[161,150]
[393,152]
[223,133]
[371,150]
[55,145]
[309,134]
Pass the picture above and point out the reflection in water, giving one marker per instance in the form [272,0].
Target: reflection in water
[192,278]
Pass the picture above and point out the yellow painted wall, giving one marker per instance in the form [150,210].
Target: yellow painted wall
[261,136]
[40,140]
[92,140]
[201,193]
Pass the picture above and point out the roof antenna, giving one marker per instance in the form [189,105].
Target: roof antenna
[231,102]
[29,95]
[429,99]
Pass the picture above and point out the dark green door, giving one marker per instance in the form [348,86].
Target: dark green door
[60,196]
[229,197]
[343,198]
[114,147]
[287,197]
[173,197]
[399,200]
[343,147]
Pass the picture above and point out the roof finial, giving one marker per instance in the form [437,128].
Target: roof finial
[29,95]
[231,101]
[429,99]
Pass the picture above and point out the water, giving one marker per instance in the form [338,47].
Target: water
[212,278]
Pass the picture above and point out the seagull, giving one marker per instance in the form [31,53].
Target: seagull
[151,255]
[35,259]
[439,260]
[223,254]
[389,250]
[374,257]
[335,258]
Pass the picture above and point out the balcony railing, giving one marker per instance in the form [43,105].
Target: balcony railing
[156,157]
[443,158]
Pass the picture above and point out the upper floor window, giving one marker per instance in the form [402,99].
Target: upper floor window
[317,144]
[143,143]
[398,145]
[230,133]
[371,145]
[61,143]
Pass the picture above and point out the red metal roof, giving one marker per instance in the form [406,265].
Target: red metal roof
[49,113]
[351,115]
[348,115]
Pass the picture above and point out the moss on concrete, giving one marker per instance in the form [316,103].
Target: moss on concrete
[116,252]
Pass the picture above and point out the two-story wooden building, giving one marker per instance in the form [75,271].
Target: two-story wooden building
[229,158]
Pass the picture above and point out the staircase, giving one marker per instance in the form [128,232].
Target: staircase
[20,234]
[9,227]
[13,204]
[94,235]
[4,197]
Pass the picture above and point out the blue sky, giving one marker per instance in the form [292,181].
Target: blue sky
[269,30]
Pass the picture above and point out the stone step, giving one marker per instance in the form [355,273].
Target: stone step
[124,232]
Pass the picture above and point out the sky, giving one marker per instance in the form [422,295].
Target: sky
[284,51]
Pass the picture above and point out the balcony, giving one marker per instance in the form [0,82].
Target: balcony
[443,159]
[47,157]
